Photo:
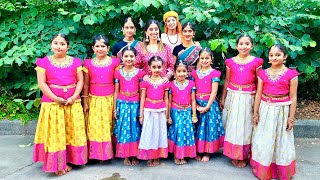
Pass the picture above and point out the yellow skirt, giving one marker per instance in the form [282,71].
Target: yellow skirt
[60,136]
[99,127]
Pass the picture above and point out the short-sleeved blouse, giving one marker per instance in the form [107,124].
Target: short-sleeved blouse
[243,76]
[276,89]
[181,95]
[129,84]
[166,55]
[101,76]
[154,96]
[203,82]
[62,75]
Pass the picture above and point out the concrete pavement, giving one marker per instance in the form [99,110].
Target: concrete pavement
[16,163]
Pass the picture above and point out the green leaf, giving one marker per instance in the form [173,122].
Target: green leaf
[215,20]
[37,102]
[214,44]
[18,61]
[310,69]
[89,2]
[29,104]
[315,63]
[40,27]
[313,43]
[64,12]
[18,100]
[77,17]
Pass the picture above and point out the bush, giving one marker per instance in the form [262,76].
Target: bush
[28,25]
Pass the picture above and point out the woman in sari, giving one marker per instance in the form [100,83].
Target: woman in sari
[129,30]
[188,51]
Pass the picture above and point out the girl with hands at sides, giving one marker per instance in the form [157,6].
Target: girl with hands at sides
[273,151]
[154,115]
[97,96]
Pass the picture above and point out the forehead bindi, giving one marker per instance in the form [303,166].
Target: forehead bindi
[244,40]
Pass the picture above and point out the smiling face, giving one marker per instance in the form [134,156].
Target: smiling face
[188,33]
[181,73]
[205,60]
[156,67]
[59,46]
[153,31]
[171,23]
[129,29]
[276,56]
[100,49]
[128,58]
[244,46]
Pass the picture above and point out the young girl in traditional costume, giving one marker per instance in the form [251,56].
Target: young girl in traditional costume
[153,46]
[129,30]
[238,102]
[60,136]
[182,104]
[98,99]
[188,51]
[273,151]
[127,128]
[210,130]
[172,30]
[153,115]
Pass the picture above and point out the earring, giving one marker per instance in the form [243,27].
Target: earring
[147,39]
[269,62]
[158,39]
[284,62]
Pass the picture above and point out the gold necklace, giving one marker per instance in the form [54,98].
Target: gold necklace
[101,63]
[128,41]
[245,60]
[66,62]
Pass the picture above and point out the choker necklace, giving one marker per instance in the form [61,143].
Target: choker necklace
[128,41]
[170,41]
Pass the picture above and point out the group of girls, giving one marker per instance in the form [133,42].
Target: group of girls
[130,109]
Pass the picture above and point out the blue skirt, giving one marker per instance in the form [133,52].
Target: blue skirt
[210,131]
[127,129]
[181,134]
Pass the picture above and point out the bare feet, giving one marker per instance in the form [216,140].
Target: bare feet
[205,158]
[242,163]
[60,173]
[198,157]
[127,162]
[177,161]
[235,162]
[183,161]
[134,161]
[156,162]
[150,163]
[68,168]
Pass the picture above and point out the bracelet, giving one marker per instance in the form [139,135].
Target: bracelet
[194,115]
[140,116]
[83,96]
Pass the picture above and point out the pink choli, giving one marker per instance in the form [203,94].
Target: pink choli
[243,76]
[101,77]
[129,84]
[181,95]
[65,75]
[203,82]
[166,55]
[276,89]
[154,96]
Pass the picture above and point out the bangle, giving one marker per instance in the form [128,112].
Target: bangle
[83,96]
[291,120]
[194,115]
[140,116]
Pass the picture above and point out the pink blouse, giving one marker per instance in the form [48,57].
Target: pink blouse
[61,75]
[181,95]
[129,84]
[204,82]
[154,96]
[166,55]
[101,76]
[276,89]
[243,76]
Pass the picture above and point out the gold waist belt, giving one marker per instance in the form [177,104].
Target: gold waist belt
[241,86]
[275,97]
[154,101]
[128,94]
[184,107]
[65,88]
[202,94]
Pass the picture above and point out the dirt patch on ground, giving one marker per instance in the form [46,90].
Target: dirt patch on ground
[308,109]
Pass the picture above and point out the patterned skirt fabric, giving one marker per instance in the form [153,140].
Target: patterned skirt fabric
[153,142]
[237,118]
[181,134]
[99,127]
[60,137]
[210,130]
[273,151]
[127,129]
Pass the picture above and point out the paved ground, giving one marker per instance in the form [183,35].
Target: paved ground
[16,163]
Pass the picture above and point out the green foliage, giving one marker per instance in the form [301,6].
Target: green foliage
[15,110]
[28,25]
